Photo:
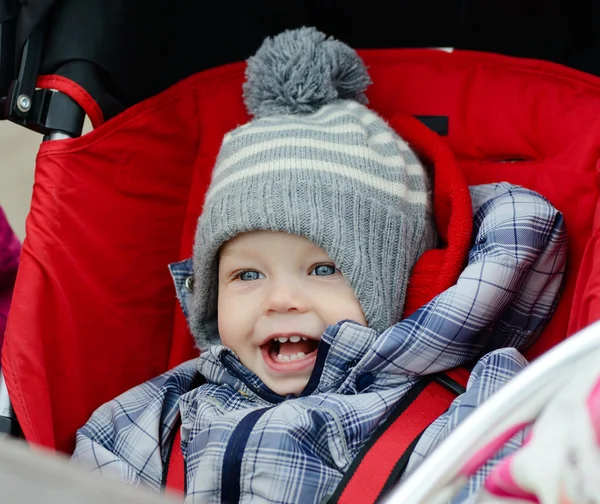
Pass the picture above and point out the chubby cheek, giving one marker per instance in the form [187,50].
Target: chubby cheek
[236,320]
[229,323]
[227,330]
[349,312]
[357,315]
[341,304]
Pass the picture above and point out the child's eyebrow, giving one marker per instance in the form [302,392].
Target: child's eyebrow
[227,253]
[233,252]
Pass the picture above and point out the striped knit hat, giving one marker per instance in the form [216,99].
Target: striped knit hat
[316,162]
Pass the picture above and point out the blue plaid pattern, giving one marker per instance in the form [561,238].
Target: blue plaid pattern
[298,449]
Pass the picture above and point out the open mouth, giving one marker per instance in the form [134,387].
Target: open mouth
[290,351]
[286,349]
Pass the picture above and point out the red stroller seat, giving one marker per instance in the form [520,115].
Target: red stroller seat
[94,310]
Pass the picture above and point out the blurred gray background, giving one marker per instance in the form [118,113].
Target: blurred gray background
[18,148]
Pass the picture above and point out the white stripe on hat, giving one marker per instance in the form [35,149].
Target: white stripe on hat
[397,189]
[402,145]
[370,118]
[382,138]
[324,110]
[334,129]
[285,121]
[360,152]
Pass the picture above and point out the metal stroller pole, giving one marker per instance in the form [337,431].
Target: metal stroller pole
[8,420]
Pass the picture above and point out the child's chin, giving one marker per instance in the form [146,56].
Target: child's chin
[289,386]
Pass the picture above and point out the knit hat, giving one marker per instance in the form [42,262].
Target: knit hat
[316,162]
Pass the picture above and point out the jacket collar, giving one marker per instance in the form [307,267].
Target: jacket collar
[182,274]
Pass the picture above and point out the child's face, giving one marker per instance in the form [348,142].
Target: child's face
[277,294]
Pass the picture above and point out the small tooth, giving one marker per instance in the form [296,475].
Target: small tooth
[286,358]
[299,355]
[293,357]
[282,340]
[279,357]
[295,339]
[304,338]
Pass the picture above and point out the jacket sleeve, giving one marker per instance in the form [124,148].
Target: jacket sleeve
[94,454]
[503,298]
[126,438]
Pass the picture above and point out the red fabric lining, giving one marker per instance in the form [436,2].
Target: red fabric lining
[77,93]
[438,269]
[94,312]
[176,467]
[460,375]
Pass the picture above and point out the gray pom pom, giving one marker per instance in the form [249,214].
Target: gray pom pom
[299,71]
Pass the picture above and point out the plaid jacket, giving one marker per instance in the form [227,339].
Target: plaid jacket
[244,443]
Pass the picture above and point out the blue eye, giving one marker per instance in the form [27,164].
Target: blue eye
[249,275]
[324,270]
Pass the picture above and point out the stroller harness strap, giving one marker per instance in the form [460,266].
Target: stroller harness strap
[174,468]
[174,477]
[382,461]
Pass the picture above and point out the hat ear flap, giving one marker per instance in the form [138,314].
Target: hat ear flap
[438,269]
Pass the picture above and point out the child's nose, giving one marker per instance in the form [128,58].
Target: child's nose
[285,297]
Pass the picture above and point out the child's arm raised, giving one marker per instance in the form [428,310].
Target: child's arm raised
[503,298]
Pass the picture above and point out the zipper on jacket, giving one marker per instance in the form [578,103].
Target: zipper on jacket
[232,463]
[232,364]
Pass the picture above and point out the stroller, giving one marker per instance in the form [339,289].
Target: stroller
[161,86]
